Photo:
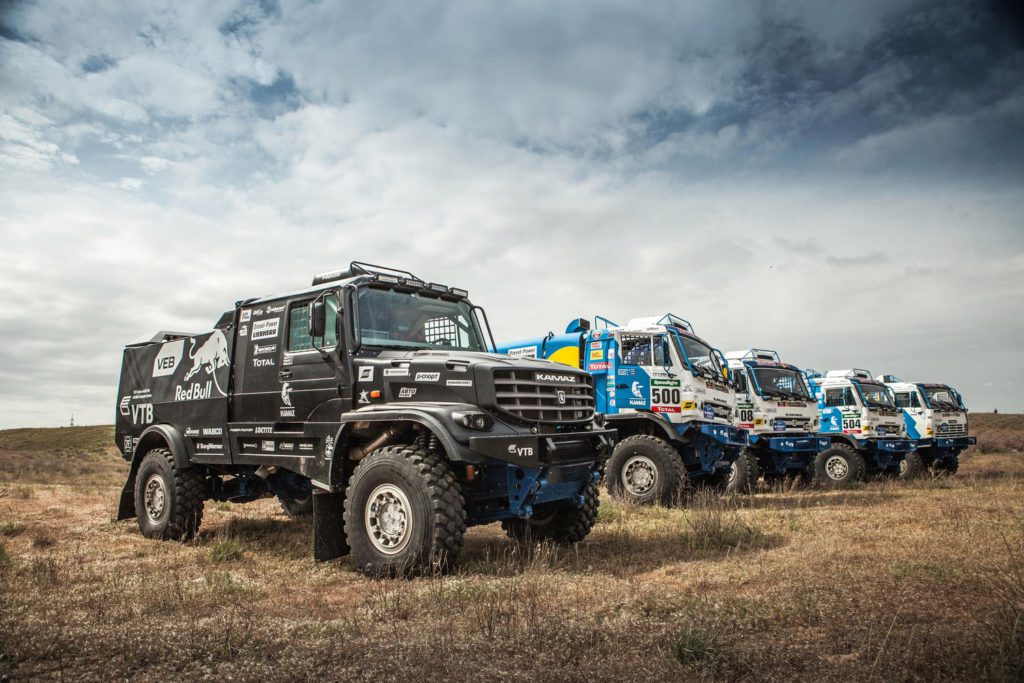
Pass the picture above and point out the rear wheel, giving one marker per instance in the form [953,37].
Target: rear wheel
[168,500]
[646,470]
[564,523]
[744,473]
[297,507]
[911,467]
[404,513]
[838,467]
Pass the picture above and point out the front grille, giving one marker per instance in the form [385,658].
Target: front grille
[953,430]
[560,475]
[723,412]
[522,394]
[793,424]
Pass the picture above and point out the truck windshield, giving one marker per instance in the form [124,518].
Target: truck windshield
[876,395]
[781,382]
[942,398]
[701,357]
[409,320]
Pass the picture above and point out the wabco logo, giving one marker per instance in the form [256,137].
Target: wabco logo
[521,451]
[547,377]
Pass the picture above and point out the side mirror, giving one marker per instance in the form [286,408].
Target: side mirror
[317,318]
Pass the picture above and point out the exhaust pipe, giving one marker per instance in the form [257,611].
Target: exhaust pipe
[387,436]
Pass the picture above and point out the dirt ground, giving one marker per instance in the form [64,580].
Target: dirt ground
[889,581]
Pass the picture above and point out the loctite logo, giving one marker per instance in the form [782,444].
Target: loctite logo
[547,377]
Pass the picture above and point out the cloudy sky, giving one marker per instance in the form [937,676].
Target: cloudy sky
[840,181]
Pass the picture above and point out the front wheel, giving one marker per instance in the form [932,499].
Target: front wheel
[911,467]
[744,473]
[404,513]
[168,500]
[946,467]
[564,523]
[647,471]
[838,467]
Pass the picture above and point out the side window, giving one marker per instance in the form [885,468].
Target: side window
[661,354]
[635,349]
[848,397]
[741,381]
[298,325]
[902,399]
[834,398]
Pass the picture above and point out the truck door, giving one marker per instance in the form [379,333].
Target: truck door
[307,379]
[632,379]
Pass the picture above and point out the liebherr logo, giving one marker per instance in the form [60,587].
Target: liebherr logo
[548,377]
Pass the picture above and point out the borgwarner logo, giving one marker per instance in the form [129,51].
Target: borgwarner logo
[548,377]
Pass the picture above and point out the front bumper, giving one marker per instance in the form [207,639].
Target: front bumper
[955,442]
[895,445]
[539,450]
[727,435]
[792,444]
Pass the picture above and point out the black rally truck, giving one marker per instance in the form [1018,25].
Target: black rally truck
[370,401]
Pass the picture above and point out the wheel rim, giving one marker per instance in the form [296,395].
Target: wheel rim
[836,467]
[155,498]
[388,517]
[732,473]
[639,475]
[903,467]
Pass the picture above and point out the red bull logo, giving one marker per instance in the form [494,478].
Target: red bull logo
[210,357]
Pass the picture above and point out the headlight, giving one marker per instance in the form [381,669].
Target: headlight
[482,422]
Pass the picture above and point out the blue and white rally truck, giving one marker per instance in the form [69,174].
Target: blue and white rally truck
[775,405]
[936,417]
[865,425]
[666,391]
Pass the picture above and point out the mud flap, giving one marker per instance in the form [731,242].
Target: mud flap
[329,542]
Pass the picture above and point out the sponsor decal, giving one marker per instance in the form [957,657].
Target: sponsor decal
[778,425]
[250,445]
[551,377]
[264,430]
[243,331]
[597,355]
[596,334]
[191,431]
[123,406]
[595,345]
[241,430]
[364,397]
[366,373]
[207,446]
[459,382]
[881,430]
[521,451]
[287,412]
[129,444]
[606,365]
[396,372]
[166,361]
[265,329]
[635,390]
[267,446]
[213,431]
[665,383]
[196,392]
[263,362]
[275,309]
[405,392]
[286,446]
[286,394]
[329,446]
[246,316]
[523,352]
[666,409]
[709,412]
[305,446]
[428,376]
[260,349]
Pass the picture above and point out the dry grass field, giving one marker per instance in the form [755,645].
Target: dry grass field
[889,581]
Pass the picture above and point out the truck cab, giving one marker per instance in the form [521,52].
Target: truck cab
[861,417]
[776,407]
[372,400]
[665,390]
[936,417]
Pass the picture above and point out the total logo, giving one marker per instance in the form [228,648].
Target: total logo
[521,451]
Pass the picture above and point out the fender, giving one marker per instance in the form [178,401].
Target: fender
[154,436]
[432,417]
[666,428]
[845,439]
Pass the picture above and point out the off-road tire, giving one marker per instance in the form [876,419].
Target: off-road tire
[911,467]
[181,494]
[297,507]
[435,518]
[564,522]
[947,467]
[854,470]
[746,471]
[669,486]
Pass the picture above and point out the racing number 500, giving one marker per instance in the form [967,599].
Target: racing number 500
[666,396]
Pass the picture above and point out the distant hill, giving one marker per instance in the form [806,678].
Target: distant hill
[99,437]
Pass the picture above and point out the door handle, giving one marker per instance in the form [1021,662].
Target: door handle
[285,374]
[621,386]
